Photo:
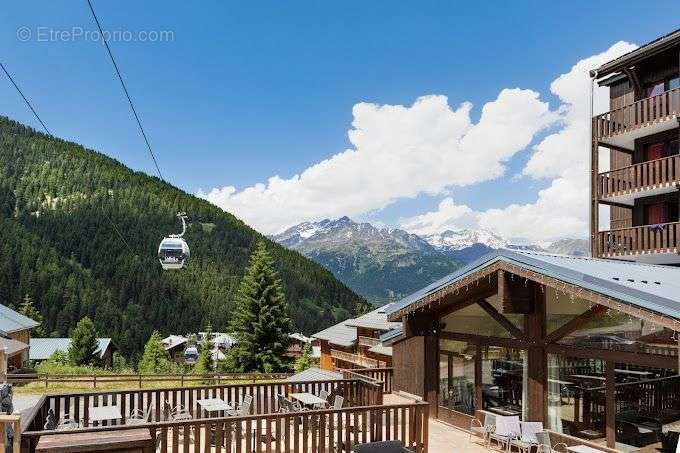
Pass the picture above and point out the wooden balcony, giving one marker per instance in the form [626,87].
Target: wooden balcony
[638,241]
[368,341]
[639,114]
[356,359]
[625,184]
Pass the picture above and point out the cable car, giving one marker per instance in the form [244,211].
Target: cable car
[173,253]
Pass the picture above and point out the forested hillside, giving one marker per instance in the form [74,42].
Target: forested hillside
[58,246]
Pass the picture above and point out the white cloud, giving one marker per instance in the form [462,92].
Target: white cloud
[562,209]
[398,152]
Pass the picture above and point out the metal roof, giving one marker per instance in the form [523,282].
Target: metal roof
[652,287]
[11,321]
[340,334]
[300,337]
[315,374]
[376,319]
[12,346]
[382,350]
[392,333]
[644,51]
[43,348]
[172,341]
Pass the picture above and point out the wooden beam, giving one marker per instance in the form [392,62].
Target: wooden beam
[502,320]
[486,341]
[610,404]
[632,76]
[595,312]
[616,148]
[633,358]
[479,386]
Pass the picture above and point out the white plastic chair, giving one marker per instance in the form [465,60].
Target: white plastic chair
[528,438]
[507,429]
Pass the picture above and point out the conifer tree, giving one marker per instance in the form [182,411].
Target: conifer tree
[204,363]
[84,345]
[304,361]
[28,309]
[260,322]
[154,359]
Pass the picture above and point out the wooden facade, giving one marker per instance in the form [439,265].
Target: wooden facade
[640,133]
[568,375]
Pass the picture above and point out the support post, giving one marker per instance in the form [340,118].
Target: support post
[3,365]
[610,404]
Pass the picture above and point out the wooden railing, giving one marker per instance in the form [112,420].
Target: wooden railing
[664,237]
[138,380]
[645,175]
[10,424]
[354,358]
[300,432]
[77,405]
[382,375]
[637,114]
[368,341]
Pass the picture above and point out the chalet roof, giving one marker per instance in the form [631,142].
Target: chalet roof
[345,332]
[340,334]
[172,341]
[634,56]
[651,287]
[11,321]
[12,346]
[376,319]
[382,350]
[300,337]
[315,374]
[43,348]
[392,334]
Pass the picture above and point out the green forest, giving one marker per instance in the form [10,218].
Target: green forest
[60,206]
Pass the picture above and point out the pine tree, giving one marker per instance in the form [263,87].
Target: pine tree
[28,309]
[154,359]
[84,344]
[204,363]
[260,323]
[304,361]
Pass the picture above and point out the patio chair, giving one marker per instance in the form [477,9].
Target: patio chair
[338,401]
[178,413]
[527,439]
[507,429]
[323,394]
[387,446]
[544,445]
[67,423]
[139,417]
[484,429]
[243,408]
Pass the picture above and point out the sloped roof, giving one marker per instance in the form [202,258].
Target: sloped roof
[393,333]
[376,319]
[43,348]
[11,321]
[172,341]
[382,350]
[315,374]
[340,334]
[652,287]
[12,346]
[300,337]
[626,60]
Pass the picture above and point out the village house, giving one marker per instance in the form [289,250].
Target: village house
[43,348]
[15,336]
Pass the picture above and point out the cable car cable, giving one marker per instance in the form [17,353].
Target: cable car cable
[115,228]
[127,94]
[24,97]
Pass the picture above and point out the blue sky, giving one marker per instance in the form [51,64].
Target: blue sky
[247,90]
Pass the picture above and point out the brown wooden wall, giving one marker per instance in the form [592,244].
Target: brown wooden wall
[409,366]
[326,362]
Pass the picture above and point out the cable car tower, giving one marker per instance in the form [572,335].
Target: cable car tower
[173,252]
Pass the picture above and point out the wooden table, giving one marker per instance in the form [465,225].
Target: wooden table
[124,441]
[104,413]
[307,399]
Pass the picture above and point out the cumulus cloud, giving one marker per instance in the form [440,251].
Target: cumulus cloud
[562,209]
[397,152]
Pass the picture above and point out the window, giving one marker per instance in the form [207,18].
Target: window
[655,213]
[474,320]
[457,376]
[673,83]
[504,380]
[654,151]
[655,89]
[576,396]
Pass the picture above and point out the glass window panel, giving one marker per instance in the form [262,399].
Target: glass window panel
[655,89]
[647,406]
[674,83]
[457,376]
[577,396]
[504,380]
[562,308]
[474,320]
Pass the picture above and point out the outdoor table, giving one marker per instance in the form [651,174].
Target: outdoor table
[127,440]
[104,413]
[214,405]
[307,399]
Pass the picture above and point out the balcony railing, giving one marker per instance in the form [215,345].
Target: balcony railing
[645,175]
[662,238]
[368,341]
[356,359]
[638,114]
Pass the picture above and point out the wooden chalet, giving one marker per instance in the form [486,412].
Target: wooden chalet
[15,336]
[587,346]
[639,135]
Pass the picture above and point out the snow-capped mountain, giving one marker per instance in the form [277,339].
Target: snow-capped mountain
[385,264]
[457,240]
